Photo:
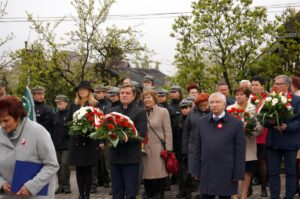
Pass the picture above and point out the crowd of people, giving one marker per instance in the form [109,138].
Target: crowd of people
[216,157]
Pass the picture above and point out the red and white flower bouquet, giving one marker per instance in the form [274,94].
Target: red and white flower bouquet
[85,120]
[275,108]
[115,128]
[250,123]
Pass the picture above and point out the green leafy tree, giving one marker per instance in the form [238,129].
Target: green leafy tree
[228,33]
[83,53]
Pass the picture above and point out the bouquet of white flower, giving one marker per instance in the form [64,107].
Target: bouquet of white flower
[85,120]
[275,108]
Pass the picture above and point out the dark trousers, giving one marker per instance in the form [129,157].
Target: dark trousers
[124,179]
[102,168]
[214,196]
[63,174]
[84,180]
[155,187]
[274,163]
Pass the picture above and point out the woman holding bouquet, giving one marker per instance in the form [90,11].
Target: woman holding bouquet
[243,109]
[159,128]
[82,149]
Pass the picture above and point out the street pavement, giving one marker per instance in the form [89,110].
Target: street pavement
[103,193]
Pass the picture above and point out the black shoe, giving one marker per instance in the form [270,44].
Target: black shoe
[80,197]
[264,193]
[93,189]
[250,192]
[106,184]
[59,190]
[256,181]
[180,195]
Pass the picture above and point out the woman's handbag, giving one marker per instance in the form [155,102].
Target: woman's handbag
[171,162]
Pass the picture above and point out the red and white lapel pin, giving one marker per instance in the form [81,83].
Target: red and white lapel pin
[24,142]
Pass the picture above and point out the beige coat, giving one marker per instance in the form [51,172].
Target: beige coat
[251,149]
[154,165]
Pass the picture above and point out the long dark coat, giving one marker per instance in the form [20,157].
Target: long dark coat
[82,149]
[189,133]
[219,155]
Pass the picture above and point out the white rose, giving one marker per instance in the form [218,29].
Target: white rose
[283,99]
[268,99]
[274,101]
[257,101]
[273,93]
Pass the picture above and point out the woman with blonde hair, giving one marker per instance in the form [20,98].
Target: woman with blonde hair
[82,149]
[159,130]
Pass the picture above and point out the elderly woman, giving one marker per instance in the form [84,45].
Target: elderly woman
[24,140]
[159,128]
[242,95]
[82,149]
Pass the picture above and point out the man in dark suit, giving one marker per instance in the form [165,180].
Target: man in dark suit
[219,151]
[282,143]
[125,159]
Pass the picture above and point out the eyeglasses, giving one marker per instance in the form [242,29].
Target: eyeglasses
[278,83]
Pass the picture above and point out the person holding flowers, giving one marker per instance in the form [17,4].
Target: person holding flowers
[82,149]
[126,156]
[159,129]
[245,111]
[283,138]
[295,89]
[257,95]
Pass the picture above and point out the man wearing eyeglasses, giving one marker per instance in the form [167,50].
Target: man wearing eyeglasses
[282,143]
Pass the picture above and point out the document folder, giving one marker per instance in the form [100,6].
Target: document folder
[25,171]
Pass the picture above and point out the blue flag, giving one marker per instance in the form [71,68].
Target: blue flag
[28,104]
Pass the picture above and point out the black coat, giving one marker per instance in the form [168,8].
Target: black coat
[82,149]
[44,115]
[60,132]
[219,155]
[189,133]
[130,152]
[103,104]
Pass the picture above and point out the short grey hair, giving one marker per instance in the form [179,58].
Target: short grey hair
[287,80]
[245,81]
[217,94]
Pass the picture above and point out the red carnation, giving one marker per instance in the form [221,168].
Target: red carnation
[110,126]
[112,136]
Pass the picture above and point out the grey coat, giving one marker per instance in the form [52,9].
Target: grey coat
[33,144]
[219,155]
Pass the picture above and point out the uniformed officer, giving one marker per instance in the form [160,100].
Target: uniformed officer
[44,114]
[60,138]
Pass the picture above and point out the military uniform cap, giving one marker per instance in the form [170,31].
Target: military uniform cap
[2,83]
[175,88]
[61,98]
[184,103]
[113,91]
[38,89]
[149,78]
[100,88]
[162,92]
[137,86]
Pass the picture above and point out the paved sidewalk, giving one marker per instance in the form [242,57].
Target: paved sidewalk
[103,193]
